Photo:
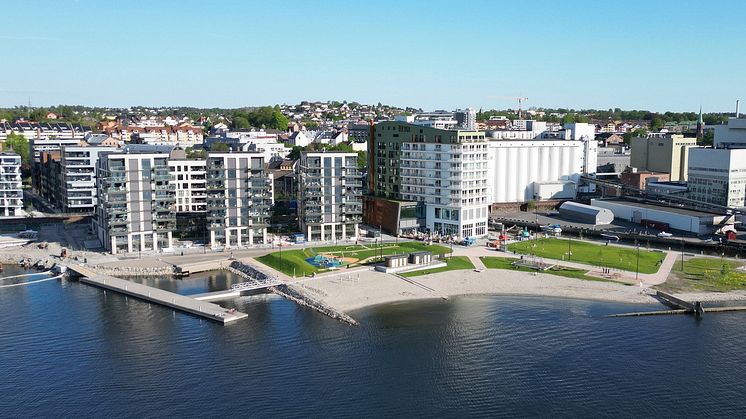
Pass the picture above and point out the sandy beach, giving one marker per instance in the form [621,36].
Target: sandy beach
[347,292]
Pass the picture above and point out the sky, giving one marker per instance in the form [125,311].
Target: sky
[431,54]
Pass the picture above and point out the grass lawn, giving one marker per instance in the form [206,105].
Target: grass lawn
[592,254]
[293,260]
[494,262]
[454,263]
[710,274]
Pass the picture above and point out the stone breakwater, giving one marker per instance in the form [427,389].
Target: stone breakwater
[289,292]
[296,295]
[28,262]
[132,271]
[249,271]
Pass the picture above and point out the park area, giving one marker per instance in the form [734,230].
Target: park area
[615,257]
[706,274]
[493,262]
[312,260]
[453,263]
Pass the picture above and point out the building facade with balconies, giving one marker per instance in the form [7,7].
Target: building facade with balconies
[78,178]
[11,192]
[137,202]
[239,199]
[443,171]
[190,178]
[330,193]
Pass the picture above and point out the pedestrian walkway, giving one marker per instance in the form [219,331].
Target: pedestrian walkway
[617,275]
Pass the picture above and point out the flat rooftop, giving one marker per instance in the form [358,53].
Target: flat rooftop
[665,208]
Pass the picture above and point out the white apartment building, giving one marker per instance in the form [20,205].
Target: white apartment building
[443,170]
[521,129]
[239,198]
[167,135]
[190,178]
[718,176]
[78,178]
[44,131]
[11,191]
[330,193]
[136,209]
[271,151]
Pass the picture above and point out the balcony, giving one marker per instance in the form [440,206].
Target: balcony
[118,231]
[118,221]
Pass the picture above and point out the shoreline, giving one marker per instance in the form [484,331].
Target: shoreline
[374,288]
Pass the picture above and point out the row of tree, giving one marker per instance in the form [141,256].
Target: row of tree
[266,117]
[654,119]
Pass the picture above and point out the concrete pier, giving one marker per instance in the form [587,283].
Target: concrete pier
[169,299]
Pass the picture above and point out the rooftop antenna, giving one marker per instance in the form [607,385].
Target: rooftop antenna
[738,108]
[28,108]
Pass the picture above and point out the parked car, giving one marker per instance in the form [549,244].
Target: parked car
[664,234]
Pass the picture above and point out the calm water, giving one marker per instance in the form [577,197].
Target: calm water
[67,349]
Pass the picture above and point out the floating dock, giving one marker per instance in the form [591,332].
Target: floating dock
[165,298]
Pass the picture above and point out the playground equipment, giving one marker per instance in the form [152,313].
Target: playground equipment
[320,261]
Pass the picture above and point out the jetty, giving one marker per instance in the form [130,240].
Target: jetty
[175,301]
[680,306]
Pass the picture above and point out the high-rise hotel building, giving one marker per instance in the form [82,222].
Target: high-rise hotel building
[427,179]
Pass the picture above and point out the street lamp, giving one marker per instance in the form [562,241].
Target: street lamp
[569,247]
[637,269]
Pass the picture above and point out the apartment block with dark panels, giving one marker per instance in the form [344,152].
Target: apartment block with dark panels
[239,199]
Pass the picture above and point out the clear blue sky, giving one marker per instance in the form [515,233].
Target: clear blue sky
[658,55]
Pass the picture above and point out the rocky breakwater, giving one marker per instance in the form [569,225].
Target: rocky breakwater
[288,291]
[132,271]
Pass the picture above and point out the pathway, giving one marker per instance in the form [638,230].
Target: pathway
[618,275]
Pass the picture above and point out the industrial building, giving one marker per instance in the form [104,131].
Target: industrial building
[669,154]
[675,218]
[587,214]
[520,171]
[732,134]
[718,176]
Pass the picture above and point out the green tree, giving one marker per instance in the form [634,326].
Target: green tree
[279,121]
[295,152]
[240,122]
[362,159]
[193,154]
[18,144]
[220,147]
[656,124]
[627,136]
[568,119]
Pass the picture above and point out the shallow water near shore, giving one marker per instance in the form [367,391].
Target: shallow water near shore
[68,349]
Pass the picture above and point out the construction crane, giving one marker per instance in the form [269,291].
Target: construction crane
[520,103]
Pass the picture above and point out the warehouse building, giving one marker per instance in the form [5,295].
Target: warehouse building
[588,214]
[675,218]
